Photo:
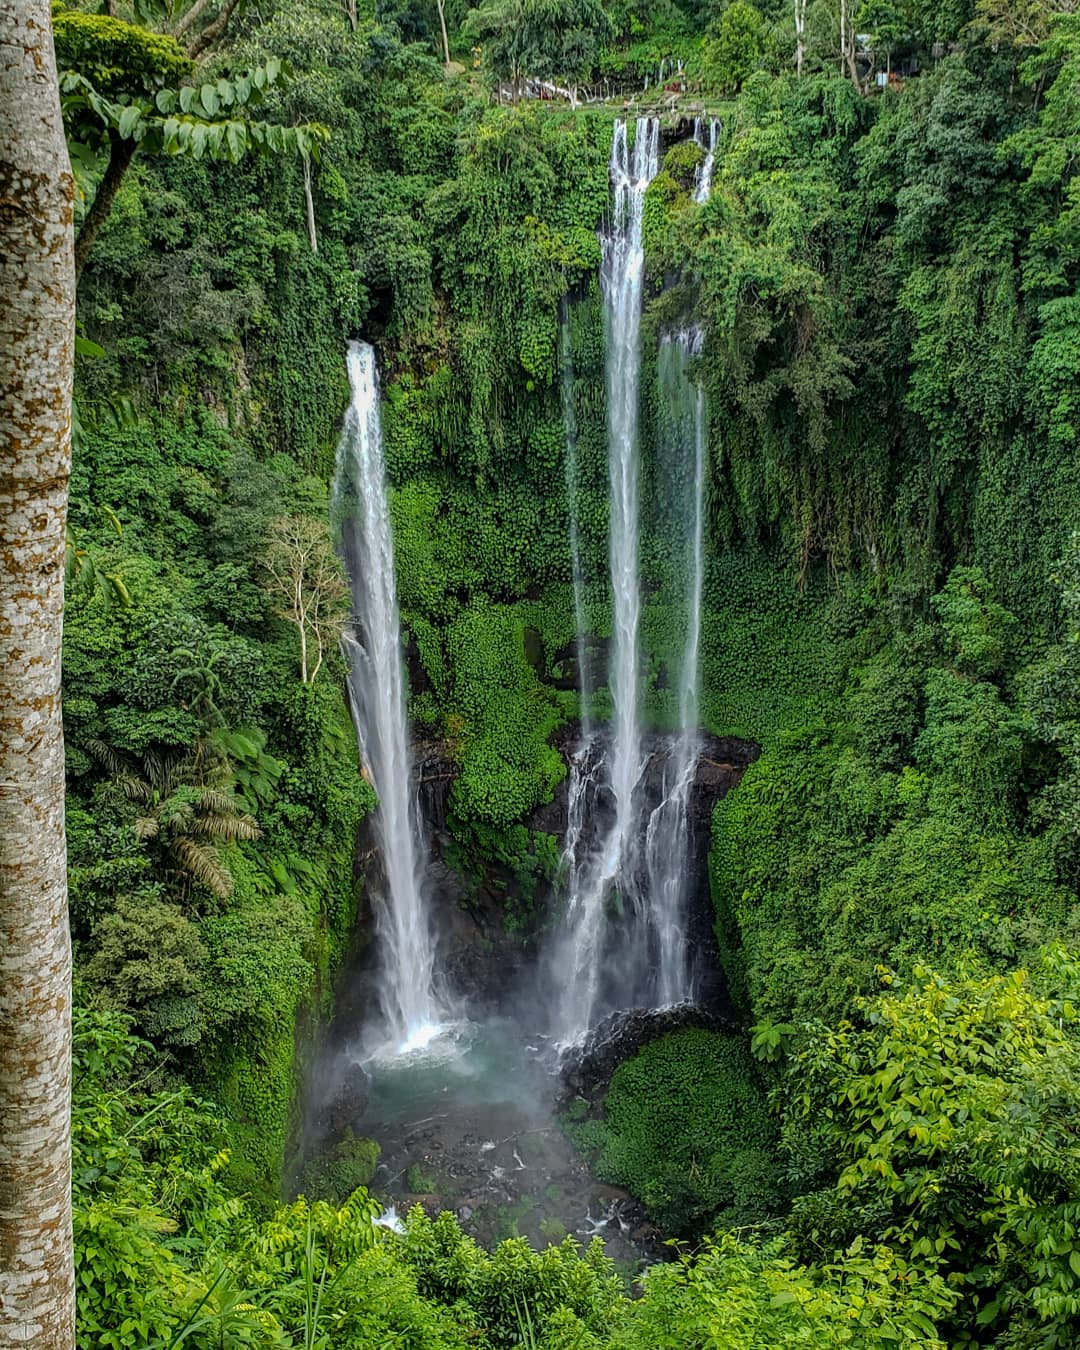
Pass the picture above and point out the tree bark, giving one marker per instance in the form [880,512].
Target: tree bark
[847,44]
[800,36]
[190,17]
[37,327]
[121,154]
[442,26]
[213,31]
[309,204]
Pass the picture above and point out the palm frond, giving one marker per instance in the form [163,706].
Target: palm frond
[153,766]
[146,827]
[217,801]
[202,863]
[135,789]
[107,757]
[226,828]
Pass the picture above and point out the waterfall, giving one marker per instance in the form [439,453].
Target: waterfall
[682,459]
[566,353]
[704,174]
[622,277]
[583,765]
[581,950]
[377,688]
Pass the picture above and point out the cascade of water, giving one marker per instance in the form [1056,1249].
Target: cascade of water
[566,352]
[622,275]
[704,174]
[583,765]
[667,836]
[377,687]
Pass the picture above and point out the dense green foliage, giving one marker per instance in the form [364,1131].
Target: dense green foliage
[167,1257]
[887,285]
[933,1140]
[685,1128]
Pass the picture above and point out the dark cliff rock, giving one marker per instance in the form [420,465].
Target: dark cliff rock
[586,1069]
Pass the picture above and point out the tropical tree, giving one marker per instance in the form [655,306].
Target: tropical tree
[310,587]
[37,334]
[186,819]
[738,48]
[127,89]
[538,37]
[949,1109]
[1021,23]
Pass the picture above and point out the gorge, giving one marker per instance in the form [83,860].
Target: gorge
[569,675]
[633,884]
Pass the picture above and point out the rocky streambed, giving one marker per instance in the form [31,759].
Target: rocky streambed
[470,1126]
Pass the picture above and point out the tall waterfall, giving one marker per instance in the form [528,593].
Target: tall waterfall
[580,952]
[622,277]
[566,357]
[704,175]
[682,459]
[584,762]
[377,686]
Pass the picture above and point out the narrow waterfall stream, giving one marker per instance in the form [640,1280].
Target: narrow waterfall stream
[622,276]
[704,175]
[584,762]
[407,984]
[581,945]
[682,457]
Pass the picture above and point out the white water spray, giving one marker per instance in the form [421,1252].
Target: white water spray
[703,175]
[622,275]
[622,278]
[377,687]
[668,833]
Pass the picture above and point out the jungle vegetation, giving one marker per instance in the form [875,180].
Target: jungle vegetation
[886,274]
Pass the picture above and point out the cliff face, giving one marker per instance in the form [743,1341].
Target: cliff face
[485,959]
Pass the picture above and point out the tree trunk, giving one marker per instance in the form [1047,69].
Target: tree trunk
[37,326]
[800,36]
[190,17]
[442,26]
[847,44]
[121,154]
[213,31]
[353,16]
[313,238]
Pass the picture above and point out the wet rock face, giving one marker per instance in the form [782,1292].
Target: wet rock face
[478,956]
[469,917]
[587,1068]
[340,1090]
[434,772]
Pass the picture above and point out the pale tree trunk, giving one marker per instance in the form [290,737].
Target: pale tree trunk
[442,26]
[800,36]
[300,612]
[309,204]
[843,33]
[190,17]
[37,323]
[847,44]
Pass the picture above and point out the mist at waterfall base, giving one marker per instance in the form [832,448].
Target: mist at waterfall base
[463,1094]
